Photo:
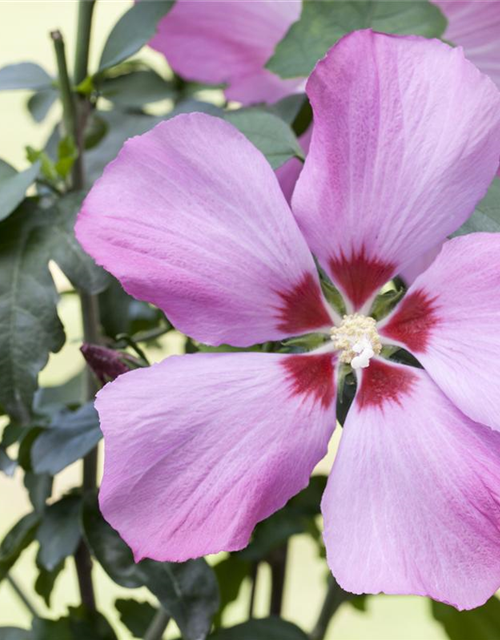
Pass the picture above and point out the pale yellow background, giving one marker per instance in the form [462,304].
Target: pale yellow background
[24,35]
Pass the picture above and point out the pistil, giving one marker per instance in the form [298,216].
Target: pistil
[357,339]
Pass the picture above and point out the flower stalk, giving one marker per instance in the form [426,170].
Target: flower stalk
[335,596]
[74,122]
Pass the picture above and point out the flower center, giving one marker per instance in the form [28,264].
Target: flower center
[358,339]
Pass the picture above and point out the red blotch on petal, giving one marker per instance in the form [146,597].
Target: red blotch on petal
[303,308]
[312,375]
[413,321]
[360,276]
[382,383]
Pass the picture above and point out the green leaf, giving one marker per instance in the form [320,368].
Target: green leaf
[288,108]
[120,313]
[132,31]
[13,186]
[187,591]
[95,130]
[271,135]
[67,153]
[46,580]
[24,75]
[133,90]
[80,624]
[486,217]
[231,573]
[29,325]
[81,270]
[297,516]
[136,616]
[72,434]
[59,532]
[47,166]
[13,633]
[265,628]
[323,23]
[15,542]
[482,623]
[40,103]
[48,400]
[7,465]
[39,489]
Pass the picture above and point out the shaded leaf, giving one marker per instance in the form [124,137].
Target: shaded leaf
[13,633]
[132,31]
[48,400]
[39,489]
[59,532]
[24,75]
[46,580]
[486,216]
[95,130]
[265,628]
[7,465]
[482,623]
[40,103]
[271,135]
[297,516]
[323,23]
[120,313]
[13,186]
[136,616]
[29,325]
[136,89]
[72,434]
[15,542]
[80,269]
[187,591]
[231,573]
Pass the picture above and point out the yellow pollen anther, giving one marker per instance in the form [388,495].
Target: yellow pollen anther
[358,340]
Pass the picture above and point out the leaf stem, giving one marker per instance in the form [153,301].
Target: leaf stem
[74,121]
[277,562]
[85,12]
[335,596]
[21,595]
[67,97]
[158,625]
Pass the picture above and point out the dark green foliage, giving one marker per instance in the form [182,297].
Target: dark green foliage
[323,23]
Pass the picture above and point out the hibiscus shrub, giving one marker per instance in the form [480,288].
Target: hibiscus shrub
[340,297]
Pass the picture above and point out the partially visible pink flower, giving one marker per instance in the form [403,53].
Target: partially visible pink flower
[228,41]
[475,26]
[191,218]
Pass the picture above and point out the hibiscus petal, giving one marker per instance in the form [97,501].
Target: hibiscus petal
[412,505]
[449,320]
[219,42]
[398,157]
[475,27]
[200,448]
[190,217]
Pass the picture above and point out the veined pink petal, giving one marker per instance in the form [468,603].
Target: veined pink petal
[190,217]
[289,172]
[475,27]
[200,448]
[450,320]
[228,42]
[412,505]
[398,156]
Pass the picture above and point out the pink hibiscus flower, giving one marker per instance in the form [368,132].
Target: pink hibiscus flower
[190,217]
[229,42]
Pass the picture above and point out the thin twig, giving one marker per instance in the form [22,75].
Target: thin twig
[158,625]
[277,562]
[334,597]
[21,595]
